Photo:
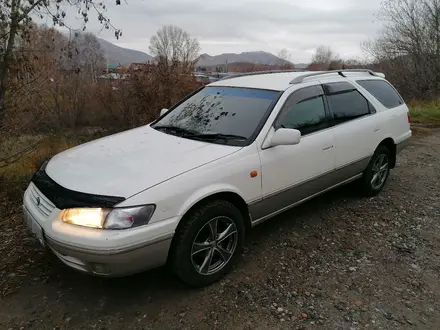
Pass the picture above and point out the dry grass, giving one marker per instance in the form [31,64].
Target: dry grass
[425,112]
[25,164]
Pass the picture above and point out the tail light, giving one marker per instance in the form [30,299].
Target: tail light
[409,117]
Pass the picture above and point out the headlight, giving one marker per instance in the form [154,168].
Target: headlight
[118,218]
[86,217]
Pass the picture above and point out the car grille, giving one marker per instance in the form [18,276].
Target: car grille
[42,204]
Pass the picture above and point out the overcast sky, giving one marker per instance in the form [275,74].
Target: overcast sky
[247,25]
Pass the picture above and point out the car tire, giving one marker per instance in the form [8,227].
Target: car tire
[199,251]
[376,174]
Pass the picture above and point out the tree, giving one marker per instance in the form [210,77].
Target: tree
[85,54]
[285,56]
[325,57]
[174,46]
[408,47]
[176,53]
[354,63]
[16,23]
[50,80]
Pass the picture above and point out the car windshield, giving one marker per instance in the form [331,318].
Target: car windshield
[227,115]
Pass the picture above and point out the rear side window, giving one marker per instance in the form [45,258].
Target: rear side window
[383,92]
[348,106]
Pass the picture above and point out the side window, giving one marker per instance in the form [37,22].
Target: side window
[383,92]
[348,105]
[307,115]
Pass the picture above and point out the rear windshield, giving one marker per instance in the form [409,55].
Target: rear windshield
[383,92]
[222,110]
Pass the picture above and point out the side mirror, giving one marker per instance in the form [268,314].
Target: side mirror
[285,137]
[163,111]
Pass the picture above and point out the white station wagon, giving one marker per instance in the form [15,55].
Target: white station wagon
[185,189]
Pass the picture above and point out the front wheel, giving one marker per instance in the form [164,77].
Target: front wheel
[207,243]
[376,173]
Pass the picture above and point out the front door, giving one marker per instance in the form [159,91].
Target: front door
[292,173]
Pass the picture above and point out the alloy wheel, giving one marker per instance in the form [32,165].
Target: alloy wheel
[379,171]
[214,245]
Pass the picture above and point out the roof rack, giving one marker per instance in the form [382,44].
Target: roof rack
[260,72]
[300,79]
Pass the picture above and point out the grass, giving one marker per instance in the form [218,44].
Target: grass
[425,112]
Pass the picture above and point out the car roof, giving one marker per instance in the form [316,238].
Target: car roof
[280,81]
[276,81]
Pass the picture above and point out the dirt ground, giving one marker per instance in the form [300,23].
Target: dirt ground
[337,262]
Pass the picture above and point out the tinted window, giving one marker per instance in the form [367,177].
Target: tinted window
[348,105]
[224,110]
[382,91]
[338,87]
[307,116]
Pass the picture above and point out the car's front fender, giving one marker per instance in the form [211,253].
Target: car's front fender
[229,174]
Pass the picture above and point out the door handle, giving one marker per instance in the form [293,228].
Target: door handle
[327,148]
[377,130]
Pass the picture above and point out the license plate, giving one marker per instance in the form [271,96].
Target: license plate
[34,227]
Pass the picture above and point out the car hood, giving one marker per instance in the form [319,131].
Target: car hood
[126,163]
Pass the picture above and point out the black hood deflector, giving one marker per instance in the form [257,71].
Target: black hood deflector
[64,198]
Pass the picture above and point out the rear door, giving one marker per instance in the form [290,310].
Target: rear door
[356,129]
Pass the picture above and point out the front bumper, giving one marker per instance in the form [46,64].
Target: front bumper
[113,263]
[112,253]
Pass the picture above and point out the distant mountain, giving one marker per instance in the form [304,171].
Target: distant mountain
[258,57]
[123,56]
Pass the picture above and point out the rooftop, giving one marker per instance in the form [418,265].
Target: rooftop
[275,81]
[280,81]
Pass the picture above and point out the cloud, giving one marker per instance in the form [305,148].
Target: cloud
[247,25]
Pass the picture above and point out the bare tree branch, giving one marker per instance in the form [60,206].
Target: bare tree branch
[408,48]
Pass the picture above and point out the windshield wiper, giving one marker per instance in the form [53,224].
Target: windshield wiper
[183,132]
[217,136]
[177,130]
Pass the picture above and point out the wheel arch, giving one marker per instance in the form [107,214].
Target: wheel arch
[389,143]
[227,195]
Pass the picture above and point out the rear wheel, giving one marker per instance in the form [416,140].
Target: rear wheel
[377,172]
[208,243]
